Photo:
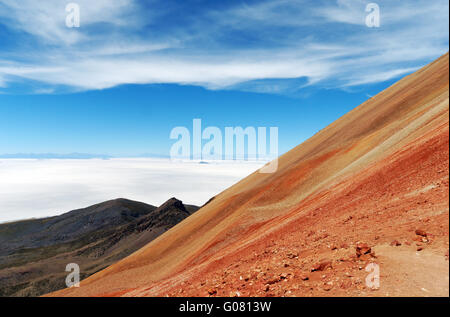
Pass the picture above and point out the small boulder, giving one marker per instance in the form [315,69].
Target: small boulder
[346,284]
[327,287]
[304,277]
[362,248]
[273,280]
[365,257]
[212,292]
[421,232]
[322,266]
[395,243]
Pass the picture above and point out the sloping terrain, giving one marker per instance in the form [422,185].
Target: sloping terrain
[66,227]
[34,253]
[371,187]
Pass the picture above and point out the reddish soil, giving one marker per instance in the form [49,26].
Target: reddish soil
[379,175]
[328,226]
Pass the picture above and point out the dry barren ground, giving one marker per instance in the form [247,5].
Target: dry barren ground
[371,187]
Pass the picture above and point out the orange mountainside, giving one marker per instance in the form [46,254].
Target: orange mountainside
[379,175]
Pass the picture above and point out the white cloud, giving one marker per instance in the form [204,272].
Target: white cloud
[379,76]
[109,72]
[39,188]
[325,42]
[346,11]
[46,19]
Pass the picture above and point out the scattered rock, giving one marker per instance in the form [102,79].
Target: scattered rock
[304,277]
[348,219]
[321,237]
[362,248]
[419,248]
[346,284]
[365,257]
[322,266]
[344,246]
[273,280]
[395,243]
[327,287]
[212,291]
[421,232]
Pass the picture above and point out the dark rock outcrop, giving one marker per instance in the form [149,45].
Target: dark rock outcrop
[34,253]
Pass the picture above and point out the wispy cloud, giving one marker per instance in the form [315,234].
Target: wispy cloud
[46,19]
[233,46]
[345,11]
[379,76]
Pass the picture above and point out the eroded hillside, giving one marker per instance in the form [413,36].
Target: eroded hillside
[377,178]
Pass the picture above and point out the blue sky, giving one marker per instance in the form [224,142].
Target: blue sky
[136,69]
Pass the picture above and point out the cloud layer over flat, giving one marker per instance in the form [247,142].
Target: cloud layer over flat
[40,188]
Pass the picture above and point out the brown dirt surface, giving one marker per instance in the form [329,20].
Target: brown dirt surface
[374,176]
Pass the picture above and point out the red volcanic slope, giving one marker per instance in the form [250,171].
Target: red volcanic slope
[376,175]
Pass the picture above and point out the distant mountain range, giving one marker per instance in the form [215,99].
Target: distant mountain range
[54,156]
[34,253]
[79,156]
